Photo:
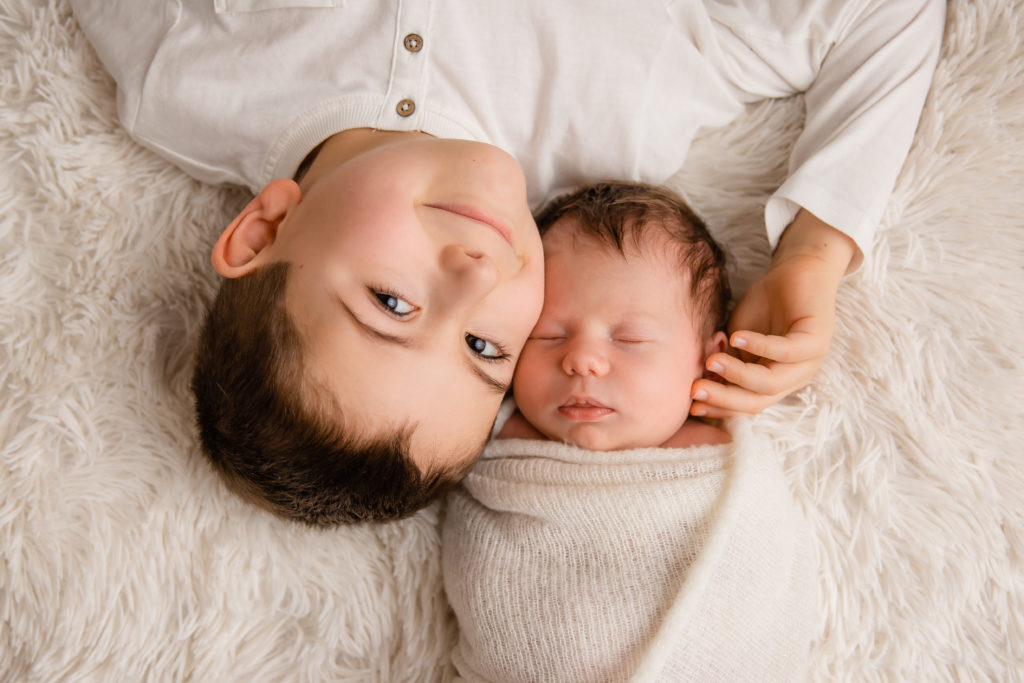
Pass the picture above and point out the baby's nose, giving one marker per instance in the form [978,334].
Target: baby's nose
[585,358]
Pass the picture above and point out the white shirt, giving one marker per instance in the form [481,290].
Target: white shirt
[239,91]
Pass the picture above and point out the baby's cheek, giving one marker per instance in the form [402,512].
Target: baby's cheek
[526,381]
[531,383]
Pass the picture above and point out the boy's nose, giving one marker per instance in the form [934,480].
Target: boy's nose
[474,273]
[585,358]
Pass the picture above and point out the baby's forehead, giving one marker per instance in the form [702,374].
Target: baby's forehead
[651,238]
[588,274]
[652,251]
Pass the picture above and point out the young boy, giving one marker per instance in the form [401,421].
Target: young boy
[382,282]
[588,542]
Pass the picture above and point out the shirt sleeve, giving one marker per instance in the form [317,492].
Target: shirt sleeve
[126,35]
[865,76]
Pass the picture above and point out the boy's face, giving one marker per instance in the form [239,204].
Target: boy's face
[613,356]
[417,274]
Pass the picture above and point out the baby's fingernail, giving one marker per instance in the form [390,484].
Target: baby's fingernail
[698,411]
[716,368]
[739,343]
[701,395]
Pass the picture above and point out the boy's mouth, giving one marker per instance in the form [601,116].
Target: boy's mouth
[583,409]
[479,216]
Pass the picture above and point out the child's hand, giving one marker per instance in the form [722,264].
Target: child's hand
[782,327]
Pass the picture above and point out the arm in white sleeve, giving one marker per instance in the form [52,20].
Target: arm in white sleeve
[863,107]
[126,34]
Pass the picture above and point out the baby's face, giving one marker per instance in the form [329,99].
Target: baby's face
[417,274]
[612,358]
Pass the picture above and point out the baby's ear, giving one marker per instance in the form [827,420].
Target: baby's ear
[718,342]
[238,250]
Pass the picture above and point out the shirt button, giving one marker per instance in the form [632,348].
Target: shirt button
[413,43]
[406,108]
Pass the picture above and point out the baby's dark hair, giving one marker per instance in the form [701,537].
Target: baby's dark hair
[609,212]
[260,430]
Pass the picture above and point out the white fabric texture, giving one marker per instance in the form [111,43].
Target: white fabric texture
[564,564]
[123,558]
[576,92]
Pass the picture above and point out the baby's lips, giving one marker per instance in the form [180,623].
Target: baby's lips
[584,410]
[581,400]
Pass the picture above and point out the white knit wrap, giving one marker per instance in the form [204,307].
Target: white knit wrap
[651,564]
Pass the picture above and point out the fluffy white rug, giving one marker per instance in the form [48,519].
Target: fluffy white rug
[123,558]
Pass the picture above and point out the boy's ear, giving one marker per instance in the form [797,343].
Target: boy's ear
[718,342]
[238,250]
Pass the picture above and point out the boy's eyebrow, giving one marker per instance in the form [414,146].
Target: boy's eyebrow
[492,383]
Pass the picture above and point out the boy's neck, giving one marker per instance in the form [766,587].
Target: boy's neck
[341,147]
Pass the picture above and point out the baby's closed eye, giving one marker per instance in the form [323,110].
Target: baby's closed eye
[632,333]
[547,333]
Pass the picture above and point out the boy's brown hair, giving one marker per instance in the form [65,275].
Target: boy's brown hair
[258,427]
[609,212]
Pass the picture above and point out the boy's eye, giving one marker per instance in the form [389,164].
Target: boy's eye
[484,348]
[394,304]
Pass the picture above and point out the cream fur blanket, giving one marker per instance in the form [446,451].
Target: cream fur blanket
[123,559]
[563,564]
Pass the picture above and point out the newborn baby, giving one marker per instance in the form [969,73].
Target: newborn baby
[632,307]
[604,535]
